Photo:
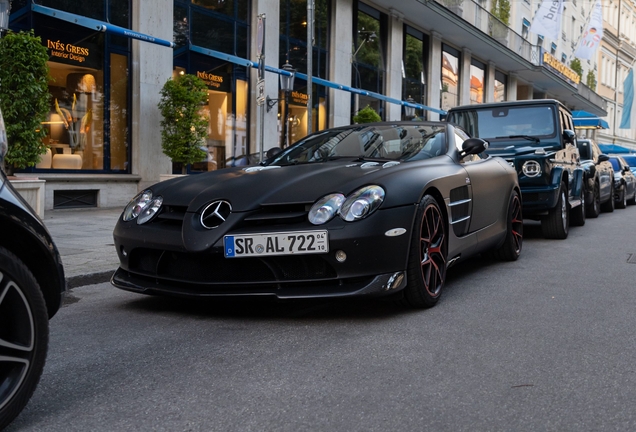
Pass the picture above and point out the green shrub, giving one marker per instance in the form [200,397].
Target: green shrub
[24,97]
[183,128]
[367,115]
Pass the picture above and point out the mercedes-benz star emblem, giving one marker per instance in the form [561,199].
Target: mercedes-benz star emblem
[215,213]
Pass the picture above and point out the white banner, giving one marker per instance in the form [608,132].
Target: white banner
[593,34]
[547,20]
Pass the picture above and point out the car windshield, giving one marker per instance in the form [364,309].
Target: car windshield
[615,164]
[631,160]
[401,142]
[526,123]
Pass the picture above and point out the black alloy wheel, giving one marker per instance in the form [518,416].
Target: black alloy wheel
[556,225]
[24,333]
[428,256]
[594,208]
[511,247]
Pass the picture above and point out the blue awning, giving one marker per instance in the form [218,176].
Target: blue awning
[613,148]
[587,120]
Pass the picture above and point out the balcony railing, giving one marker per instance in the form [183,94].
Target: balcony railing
[487,23]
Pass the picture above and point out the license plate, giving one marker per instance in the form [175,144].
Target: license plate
[289,243]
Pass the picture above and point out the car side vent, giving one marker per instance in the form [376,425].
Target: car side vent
[460,207]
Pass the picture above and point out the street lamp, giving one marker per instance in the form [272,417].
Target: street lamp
[286,84]
[5,9]
[409,111]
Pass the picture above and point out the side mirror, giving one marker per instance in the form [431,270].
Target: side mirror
[473,146]
[603,157]
[569,136]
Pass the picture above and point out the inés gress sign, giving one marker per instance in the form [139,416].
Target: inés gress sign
[81,53]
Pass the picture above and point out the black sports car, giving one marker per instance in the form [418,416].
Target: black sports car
[366,209]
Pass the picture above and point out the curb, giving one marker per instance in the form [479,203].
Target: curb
[89,279]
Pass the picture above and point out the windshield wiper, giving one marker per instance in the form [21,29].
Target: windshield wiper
[528,137]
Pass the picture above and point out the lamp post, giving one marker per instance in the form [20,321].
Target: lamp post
[286,85]
[409,111]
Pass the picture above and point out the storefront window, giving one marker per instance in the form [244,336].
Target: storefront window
[218,27]
[477,81]
[293,49]
[414,74]
[501,81]
[75,122]
[118,114]
[369,59]
[450,78]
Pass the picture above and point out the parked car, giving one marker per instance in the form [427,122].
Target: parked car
[624,183]
[369,209]
[31,287]
[537,138]
[598,178]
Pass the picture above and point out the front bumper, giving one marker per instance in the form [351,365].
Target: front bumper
[150,266]
[539,200]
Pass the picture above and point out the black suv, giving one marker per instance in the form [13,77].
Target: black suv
[537,138]
[598,178]
[31,287]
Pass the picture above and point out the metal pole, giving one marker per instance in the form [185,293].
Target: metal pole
[618,46]
[310,58]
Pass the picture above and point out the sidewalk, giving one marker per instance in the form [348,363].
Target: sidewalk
[84,238]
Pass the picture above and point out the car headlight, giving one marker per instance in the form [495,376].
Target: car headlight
[150,210]
[362,203]
[325,208]
[531,168]
[137,205]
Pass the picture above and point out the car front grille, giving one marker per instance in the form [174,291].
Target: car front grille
[214,268]
[266,215]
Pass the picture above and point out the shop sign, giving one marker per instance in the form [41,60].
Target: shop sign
[66,51]
[298,98]
[556,66]
[213,81]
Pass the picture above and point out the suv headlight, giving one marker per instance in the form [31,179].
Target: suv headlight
[531,168]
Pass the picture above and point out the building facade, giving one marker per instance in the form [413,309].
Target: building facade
[429,55]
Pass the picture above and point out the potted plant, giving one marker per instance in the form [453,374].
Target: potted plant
[500,20]
[184,127]
[367,115]
[24,97]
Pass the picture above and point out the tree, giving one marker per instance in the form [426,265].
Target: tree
[501,9]
[24,97]
[183,128]
[591,80]
[575,65]
[367,115]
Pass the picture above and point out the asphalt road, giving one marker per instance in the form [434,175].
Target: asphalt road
[546,343]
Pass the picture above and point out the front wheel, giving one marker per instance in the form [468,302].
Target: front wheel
[427,257]
[24,334]
[511,247]
[621,201]
[556,224]
[594,208]
[577,215]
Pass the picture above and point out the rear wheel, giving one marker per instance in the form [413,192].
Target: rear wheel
[24,332]
[556,224]
[593,209]
[511,247]
[427,257]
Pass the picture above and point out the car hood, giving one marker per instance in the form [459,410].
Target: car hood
[248,188]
